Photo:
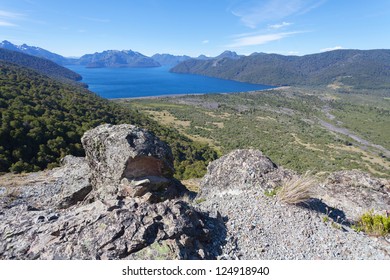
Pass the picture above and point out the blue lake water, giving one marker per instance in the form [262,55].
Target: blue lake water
[139,82]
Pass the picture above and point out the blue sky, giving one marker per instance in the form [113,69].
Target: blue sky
[193,27]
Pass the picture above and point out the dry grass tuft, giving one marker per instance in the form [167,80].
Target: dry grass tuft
[297,190]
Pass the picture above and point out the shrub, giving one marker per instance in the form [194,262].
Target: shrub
[377,225]
[297,189]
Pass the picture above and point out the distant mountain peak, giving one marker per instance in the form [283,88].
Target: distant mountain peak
[228,54]
[166,59]
[203,57]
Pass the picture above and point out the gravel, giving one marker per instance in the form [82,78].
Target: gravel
[260,227]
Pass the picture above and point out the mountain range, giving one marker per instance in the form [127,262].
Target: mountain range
[109,58]
[339,68]
[358,68]
[117,59]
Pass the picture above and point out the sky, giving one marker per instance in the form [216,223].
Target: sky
[194,27]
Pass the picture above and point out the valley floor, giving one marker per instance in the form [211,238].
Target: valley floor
[317,129]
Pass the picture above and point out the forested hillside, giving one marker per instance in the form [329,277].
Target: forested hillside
[42,120]
[356,68]
[36,51]
[38,64]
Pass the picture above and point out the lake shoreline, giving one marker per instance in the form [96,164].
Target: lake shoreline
[189,94]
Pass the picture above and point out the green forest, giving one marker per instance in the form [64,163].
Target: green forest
[43,119]
[41,65]
[351,68]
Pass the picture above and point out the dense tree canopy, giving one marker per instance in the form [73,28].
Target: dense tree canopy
[42,120]
[41,65]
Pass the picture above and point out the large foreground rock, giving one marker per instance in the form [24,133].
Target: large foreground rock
[115,204]
[126,160]
[101,231]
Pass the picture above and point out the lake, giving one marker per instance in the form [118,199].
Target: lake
[140,82]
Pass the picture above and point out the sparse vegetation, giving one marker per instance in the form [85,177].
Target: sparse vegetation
[200,200]
[373,224]
[272,192]
[296,190]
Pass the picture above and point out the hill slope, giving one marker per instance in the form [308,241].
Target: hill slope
[368,69]
[40,65]
[35,51]
[42,120]
[115,59]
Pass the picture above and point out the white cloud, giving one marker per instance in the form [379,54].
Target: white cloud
[11,15]
[6,23]
[331,49]
[251,13]
[279,25]
[205,41]
[260,39]
[7,18]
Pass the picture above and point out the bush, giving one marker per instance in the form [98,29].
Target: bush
[371,224]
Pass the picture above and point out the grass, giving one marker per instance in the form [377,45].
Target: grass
[296,190]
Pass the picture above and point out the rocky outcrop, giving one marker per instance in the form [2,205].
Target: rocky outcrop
[355,193]
[259,226]
[121,202]
[57,188]
[103,231]
[128,161]
[113,204]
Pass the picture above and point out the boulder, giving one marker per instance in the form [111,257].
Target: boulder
[241,170]
[125,158]
[355,193]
